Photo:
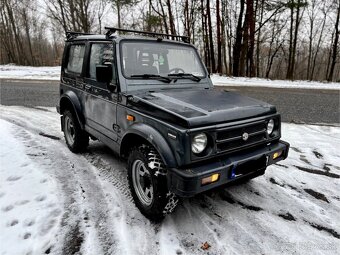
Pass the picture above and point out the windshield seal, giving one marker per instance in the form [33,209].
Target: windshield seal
[121,43]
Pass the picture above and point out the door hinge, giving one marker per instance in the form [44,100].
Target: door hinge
[116,128]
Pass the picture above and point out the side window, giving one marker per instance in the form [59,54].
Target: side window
[75,59]
[101,54]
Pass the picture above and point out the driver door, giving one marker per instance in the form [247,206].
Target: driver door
[100,102]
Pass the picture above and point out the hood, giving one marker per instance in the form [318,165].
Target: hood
[195,108]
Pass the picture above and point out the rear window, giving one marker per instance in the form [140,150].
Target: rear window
[76,57]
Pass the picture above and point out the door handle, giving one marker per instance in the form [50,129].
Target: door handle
[88,87]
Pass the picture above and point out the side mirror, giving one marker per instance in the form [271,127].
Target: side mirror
[104,73]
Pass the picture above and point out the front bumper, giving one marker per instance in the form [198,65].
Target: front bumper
[187,182]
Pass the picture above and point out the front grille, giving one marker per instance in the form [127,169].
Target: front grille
[230,139]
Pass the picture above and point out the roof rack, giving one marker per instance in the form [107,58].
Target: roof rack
[72,34]
[112,30]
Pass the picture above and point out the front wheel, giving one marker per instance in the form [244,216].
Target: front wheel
[76,139]
[148,183]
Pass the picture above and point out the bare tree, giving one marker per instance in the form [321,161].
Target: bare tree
[325,11]
[211,42]
[171,17]
[335,44]
[76,15]
[263,38]
[238,41]
[219,40]
[275,43]
[295,7]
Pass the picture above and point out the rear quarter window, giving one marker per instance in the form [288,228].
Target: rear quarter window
[76,58]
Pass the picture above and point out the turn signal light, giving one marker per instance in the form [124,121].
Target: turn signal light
[210,179]
[130,117]
[277,154]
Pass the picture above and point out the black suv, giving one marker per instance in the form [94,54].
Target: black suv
[150,99]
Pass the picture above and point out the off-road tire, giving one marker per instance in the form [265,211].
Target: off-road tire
[80,139]
[163,201]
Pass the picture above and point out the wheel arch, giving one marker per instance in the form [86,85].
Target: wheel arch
[70,101]
[142,133]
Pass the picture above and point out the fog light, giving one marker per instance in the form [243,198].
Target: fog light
[210,179]
[277,154]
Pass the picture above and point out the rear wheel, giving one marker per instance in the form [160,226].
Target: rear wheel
[148,183]
[76,139]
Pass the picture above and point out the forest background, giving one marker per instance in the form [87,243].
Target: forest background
[276,39]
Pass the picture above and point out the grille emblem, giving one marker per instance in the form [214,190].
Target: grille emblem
[245,136]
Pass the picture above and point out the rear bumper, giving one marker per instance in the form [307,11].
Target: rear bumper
[187,182]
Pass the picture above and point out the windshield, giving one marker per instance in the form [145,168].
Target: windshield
[151,59]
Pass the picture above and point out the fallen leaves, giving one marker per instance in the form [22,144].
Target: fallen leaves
[205,246]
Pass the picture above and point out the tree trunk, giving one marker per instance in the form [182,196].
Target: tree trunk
[25,19]
[258,43]
[118,14]
[293,36]
[171,18]
[224,39]
[335,45]
[63,20]
[290,56]
[297,22]
[204,37]
[238,42]
[212,54]
[317,48]
[21,59]
[186,18]
[250,54]
[219,41]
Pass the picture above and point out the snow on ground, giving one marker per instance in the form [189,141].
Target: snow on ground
[260,82]
[53,73]
[80,203]
[30,212]
[30,72]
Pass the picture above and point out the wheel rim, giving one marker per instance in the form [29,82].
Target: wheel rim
[69,130]
[142,182]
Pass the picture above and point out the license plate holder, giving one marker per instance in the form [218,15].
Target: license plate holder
[248,167]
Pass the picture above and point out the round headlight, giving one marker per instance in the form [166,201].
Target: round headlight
[198,143]
[270,126]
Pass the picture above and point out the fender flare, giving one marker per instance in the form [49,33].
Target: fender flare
[70,98]
[155,139]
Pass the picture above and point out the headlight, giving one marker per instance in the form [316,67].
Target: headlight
[198,143]
[270,126]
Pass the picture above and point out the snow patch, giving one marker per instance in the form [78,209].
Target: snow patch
[292,209]
[53,73]
[30,72]
[29,206]
[259,82]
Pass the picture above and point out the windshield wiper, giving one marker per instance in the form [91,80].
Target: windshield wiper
[185,76]
[152,76]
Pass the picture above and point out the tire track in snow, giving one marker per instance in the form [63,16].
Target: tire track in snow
[88,202]
[120,212]
[228,227]
[129,223]
[114,173]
